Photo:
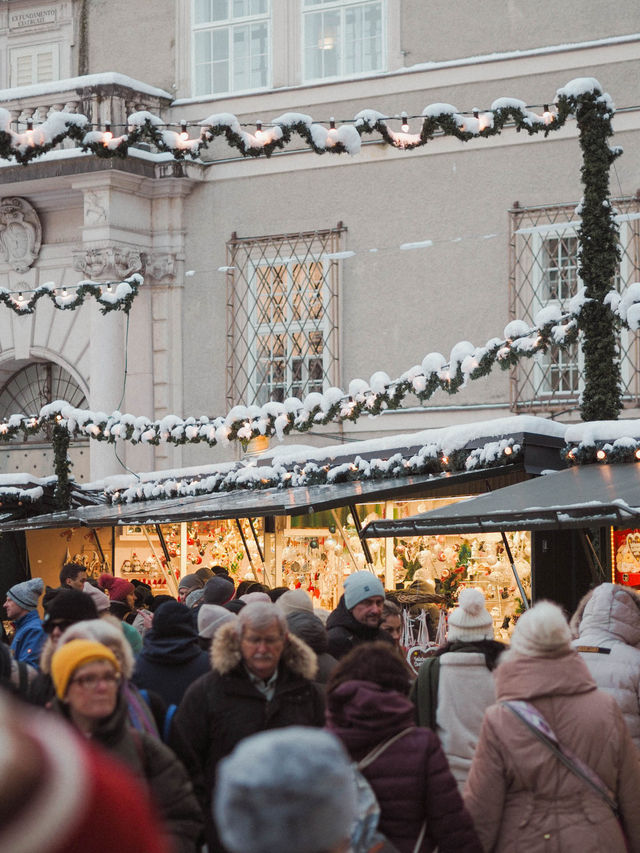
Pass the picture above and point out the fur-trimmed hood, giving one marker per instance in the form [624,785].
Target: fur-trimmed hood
[225,653]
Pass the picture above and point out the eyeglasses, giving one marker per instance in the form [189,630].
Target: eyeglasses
[49,626]
[90,682]
[270,640]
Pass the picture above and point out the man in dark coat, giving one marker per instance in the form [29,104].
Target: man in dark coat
[171,657]
[261,679]
[358,615]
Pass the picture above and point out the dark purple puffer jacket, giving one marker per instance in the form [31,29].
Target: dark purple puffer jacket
[411,779]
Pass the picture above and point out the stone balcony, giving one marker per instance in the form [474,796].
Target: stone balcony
[107,97]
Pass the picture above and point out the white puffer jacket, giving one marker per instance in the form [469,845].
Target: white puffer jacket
[611,620]
[465,689]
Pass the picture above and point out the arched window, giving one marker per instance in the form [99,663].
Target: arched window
[31,387]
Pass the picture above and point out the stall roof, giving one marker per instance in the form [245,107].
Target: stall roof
[576,497]
[250,502]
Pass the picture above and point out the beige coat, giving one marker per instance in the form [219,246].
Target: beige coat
[521,797]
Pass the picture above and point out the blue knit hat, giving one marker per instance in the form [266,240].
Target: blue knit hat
[26,594]
[361,585]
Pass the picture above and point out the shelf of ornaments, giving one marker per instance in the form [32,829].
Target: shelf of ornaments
[157,584]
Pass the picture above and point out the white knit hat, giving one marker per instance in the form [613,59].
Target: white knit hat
[542,632]
[470,621]
[289,790]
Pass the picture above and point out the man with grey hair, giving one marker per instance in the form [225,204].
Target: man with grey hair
[261,679]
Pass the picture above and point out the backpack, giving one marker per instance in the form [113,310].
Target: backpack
[364,831]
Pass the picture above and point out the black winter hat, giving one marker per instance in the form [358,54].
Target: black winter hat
[70,605]
[309,628]
[173,619]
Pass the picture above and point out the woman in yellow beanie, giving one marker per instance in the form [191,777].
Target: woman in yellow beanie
[86,676]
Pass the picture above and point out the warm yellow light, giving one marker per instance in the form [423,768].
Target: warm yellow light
[508,451]
[547,116]
[601,455]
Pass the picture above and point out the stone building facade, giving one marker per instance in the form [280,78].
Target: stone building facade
[266,278]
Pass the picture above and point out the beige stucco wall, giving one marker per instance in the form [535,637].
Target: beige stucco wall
[396,306]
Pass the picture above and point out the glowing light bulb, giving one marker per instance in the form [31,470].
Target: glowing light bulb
[64,291]
[30,131]
[184,136]
[547,116]
[20,297]
[637,454]
[445,460]
[508,451]
[601,455]
[107,136]
[405,123]
[259,133]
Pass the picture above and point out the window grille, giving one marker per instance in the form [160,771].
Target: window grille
[282,315]
[544,271]
[36,385]
[342,38]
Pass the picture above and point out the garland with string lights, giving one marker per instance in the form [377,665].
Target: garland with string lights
[110,295]
[430,459]
[626,449]
[436,120]
[598,256]
[466,362]
[242,423]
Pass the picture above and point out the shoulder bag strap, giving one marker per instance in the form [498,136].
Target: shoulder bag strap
[537,724]
[423,832]
[377,751]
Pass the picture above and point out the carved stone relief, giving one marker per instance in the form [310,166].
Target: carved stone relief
[20,233]
[111,264]
[161,266]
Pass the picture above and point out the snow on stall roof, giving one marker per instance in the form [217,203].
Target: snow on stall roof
[105,78]
[449,438]
[593,431]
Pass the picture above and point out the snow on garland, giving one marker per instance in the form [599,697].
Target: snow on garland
[437,119]
[430,459]
[602,442]
[466,362]
[243,423]
[110,295]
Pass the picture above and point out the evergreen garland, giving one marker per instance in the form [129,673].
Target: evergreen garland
[62,466]
[111,296]
[598,258]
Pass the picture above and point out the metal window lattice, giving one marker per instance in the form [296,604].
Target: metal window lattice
[282,315]
[544,271]
[36,385]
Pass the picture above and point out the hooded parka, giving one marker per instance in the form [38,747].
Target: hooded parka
[521,797]
[609,644]
[411,779]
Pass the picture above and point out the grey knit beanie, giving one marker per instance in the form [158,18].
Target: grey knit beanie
[291,790]
[27,593]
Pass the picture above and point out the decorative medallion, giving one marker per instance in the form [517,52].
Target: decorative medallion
[20,233]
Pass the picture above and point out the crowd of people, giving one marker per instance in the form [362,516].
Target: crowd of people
[241,719]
